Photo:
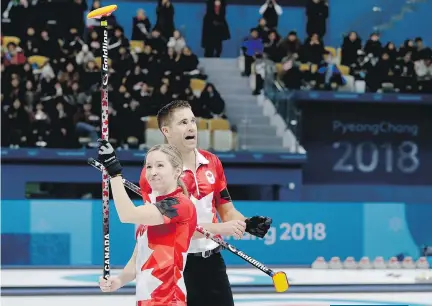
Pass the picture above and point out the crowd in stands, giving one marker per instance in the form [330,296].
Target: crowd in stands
[51,75]
[310,64]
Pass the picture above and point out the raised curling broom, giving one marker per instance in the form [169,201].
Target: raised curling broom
[280,280]
[101,14]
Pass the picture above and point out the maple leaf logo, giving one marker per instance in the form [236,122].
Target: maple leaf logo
[166,207]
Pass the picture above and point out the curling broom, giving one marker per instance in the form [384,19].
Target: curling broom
[102,13]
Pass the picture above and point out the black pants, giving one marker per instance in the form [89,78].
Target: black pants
[207,282]
[248,60]
[213,48]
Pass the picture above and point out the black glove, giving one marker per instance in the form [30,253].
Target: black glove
[258,226]
[108,158]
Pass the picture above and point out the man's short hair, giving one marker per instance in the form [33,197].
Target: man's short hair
[164,115]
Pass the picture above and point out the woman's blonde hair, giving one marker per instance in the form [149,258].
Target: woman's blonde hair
[175,158]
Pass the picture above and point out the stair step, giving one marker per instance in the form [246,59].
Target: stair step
[241,119]
[257,130]
[229,81]
[245,106]
[254,129]
[222,68]
[250,139]
[249,116]
[232,89]
[246,103]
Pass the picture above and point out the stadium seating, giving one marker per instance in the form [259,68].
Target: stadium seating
[38,60]
[10,39]
[352,78]
[58,70]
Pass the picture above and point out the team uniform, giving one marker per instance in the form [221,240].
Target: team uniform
[205,273]
[162,252]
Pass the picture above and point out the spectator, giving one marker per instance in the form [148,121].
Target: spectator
[84,56]
[48,83]
[423,69]
[27,73]
[407,47]
[263,67]
[135,78]
[148,105]
[162,95]
[390,49]
[12,90]
[121,98]
[291,74]
[135,127]
[94,43]
[373,46]
[13,55]
[85,120]
[157,42]
[68,75]
[90,76]
[170,65]
[141,26]
[212,104]
[380,73]
[312,50]
[317,14]
[18,123]
[40,127]
[62,132]
[421,52]
[29,43]
[165,18]
[290,44]
[188,62]
[75,15]
[61,99]
[262,29]
[272,48]
[251,46]
[405,77]
[29,95]
[73,43]
[116,42]
[215,28]
[48,46]
[93,22]
[123,63]
[329,75]
[177,42]
[74,96]
[271,11]
[350,48]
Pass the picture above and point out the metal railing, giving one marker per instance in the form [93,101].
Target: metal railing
[283,100]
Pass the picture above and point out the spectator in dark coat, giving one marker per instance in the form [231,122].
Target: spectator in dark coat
[317,14]
[141,26]
[215,29]
[350,47]
[165,18]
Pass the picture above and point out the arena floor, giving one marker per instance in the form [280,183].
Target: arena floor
[412,299]
[252,288]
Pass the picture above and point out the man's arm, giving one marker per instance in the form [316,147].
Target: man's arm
[257,225]
[228,212]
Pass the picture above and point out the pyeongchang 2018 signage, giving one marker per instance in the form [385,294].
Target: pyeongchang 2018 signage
[364,143]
